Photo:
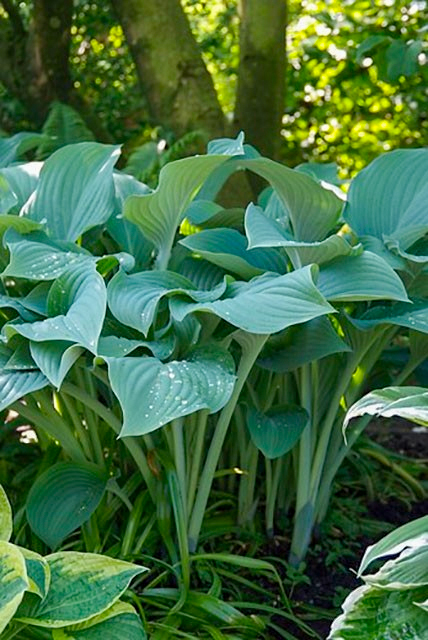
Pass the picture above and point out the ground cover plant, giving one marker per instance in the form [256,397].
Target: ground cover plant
[223,346]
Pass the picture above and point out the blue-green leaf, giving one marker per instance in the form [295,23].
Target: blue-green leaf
[76,308]
[75,190]
[12,148]
[412,315]
[120,621]
[227,146]
[134,299]
[300,345]
[21,181]
[152,394]
[388,197]
[410,403]
[227,248]
[276,302]
[55,358]
[159,214]
[277,431]
[360,277]
[38,572]
[63,498]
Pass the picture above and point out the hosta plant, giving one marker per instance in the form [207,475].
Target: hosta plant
[65,595]
[219,344]
[393,602]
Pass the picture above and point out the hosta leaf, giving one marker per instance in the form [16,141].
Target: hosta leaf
[361,277]
[376,614]
[408,571]
[120,621]
[38,572]
[277,431]
[127,234]
[325,171]
[412,315]
[313,211]
[152,394]
[6,524]
[16,384]
[263,232]
[204,275]
[134,299]
[200,211]
[20,359]
[159,214]
[388,197]
[276,302]
[21,182]
[75,190]
[23,225]
[375,245]
[410,403]
[76,306]
[13,581]
[227,146]
[55,358]
[82,585]
[116,347]
[227,248]
[12,148]
[63,498]
[37,258]
[300,345]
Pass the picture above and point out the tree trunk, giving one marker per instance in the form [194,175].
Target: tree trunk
[179,90]
[35,62]
[261,81]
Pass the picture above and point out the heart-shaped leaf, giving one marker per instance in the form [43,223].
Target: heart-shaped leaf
[276,432]
[76,306]
[227,248]
[82,585]
[55,358]
[134,299]
[360,277]
[152,394]
[388,197]
[276,302]
[262,231]
[75,190]
[300,345]
[159,214]
[63,498]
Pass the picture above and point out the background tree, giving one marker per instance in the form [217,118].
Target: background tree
[356,79]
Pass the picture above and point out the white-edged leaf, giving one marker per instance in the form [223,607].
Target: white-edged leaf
[62,498]
[13,581]
[75,190]
[82,585]
[410,403]
[408,571]
[227,248]
[6,522]
[376,614]
[276,302]
[152,394]
[277,431]
[360,277]
[38,572]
